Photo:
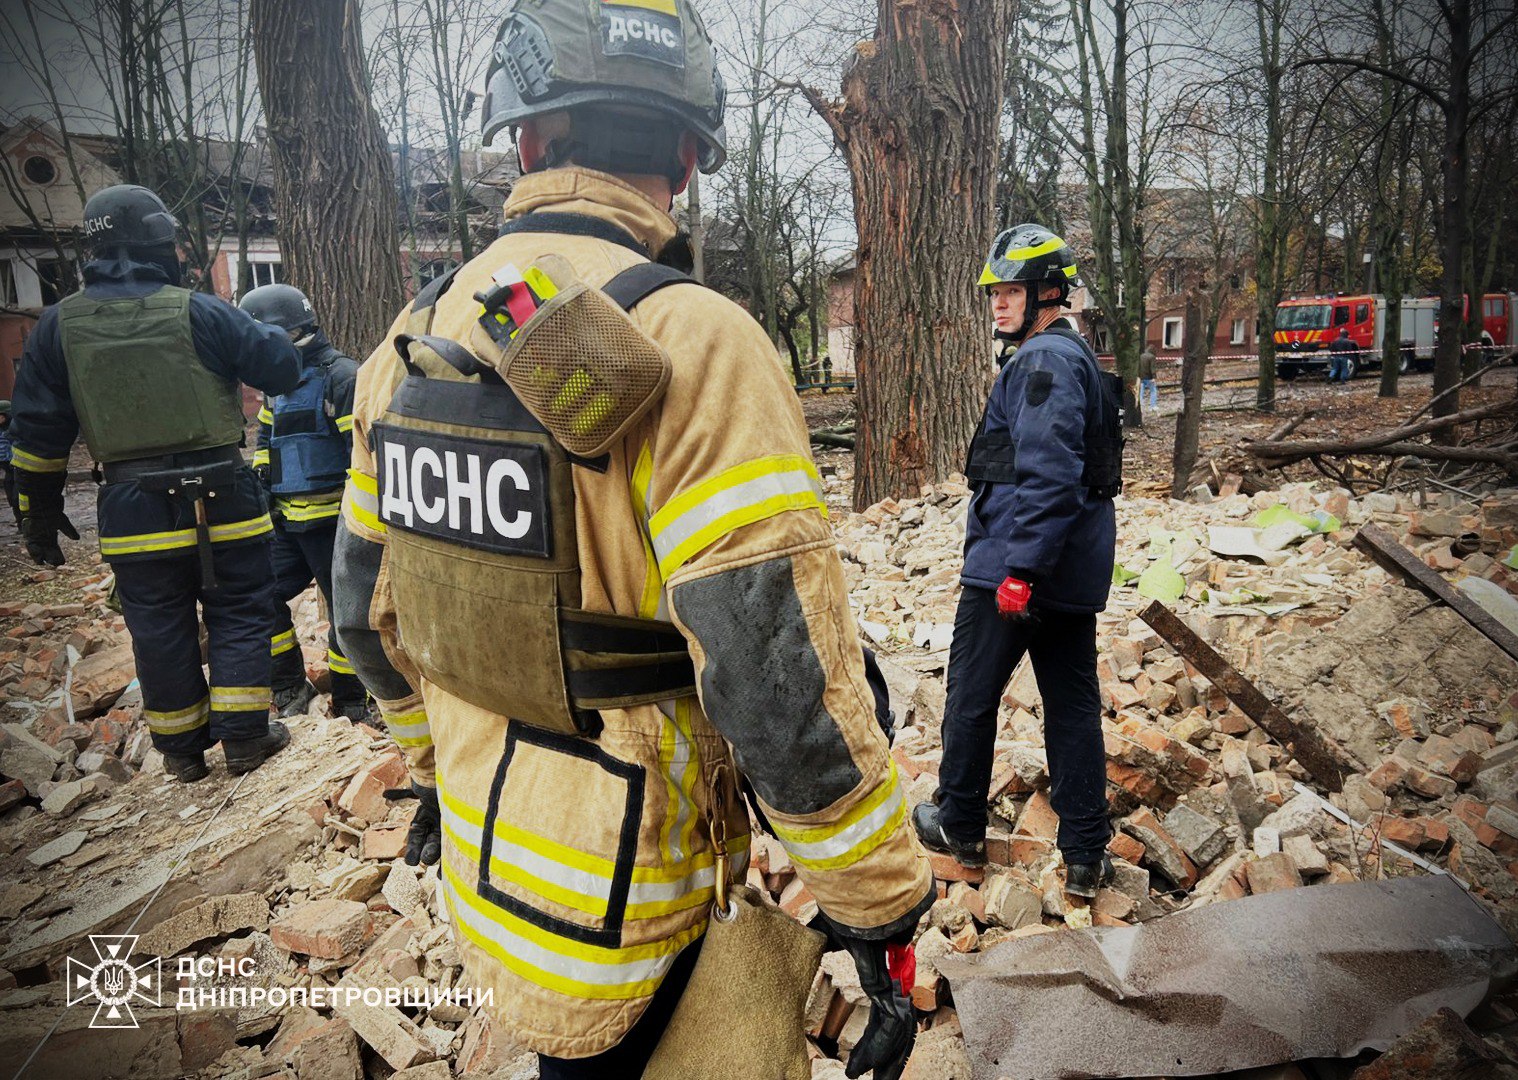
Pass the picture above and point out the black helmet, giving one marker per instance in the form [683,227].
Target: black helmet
[128,216]
[1029,253]
[283,306]
[651,57]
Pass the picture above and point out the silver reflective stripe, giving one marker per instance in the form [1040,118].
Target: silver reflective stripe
[846,839]
[712,509]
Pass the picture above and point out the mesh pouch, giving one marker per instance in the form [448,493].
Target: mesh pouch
[581,366]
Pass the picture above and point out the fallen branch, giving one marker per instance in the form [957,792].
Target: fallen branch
[841,442]
[1285,453]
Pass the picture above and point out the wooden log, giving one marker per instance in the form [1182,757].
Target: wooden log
[1388,553]
[1324,760]
[1276,450]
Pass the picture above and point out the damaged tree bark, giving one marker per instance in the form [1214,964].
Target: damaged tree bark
[1324,760]
[918,124]
[334,186]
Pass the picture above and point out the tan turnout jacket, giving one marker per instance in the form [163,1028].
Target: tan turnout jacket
[711,516]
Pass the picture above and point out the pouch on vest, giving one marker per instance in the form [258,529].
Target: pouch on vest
[138,386]
[477,495]
[578,363]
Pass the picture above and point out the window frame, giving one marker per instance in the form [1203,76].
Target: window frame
[1179,323]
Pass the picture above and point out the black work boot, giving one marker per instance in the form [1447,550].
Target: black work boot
[186,768]
[359,712]
[930,832]
[1083,879]
[245,755]
[294,700]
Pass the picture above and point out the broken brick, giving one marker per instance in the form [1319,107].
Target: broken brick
[329,929]
[1272,874]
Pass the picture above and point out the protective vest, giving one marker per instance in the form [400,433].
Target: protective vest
[306,451]
[993,454]
[477,496]
[137,384]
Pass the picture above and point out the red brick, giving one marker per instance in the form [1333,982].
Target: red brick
[1448,758]
[1138,783]
[1126,847]
[948,868]
[364,796]
[330,928]
[1272,874]
[1427,783]
[383,842]
[1388,775]
[11,792]
[1408,832]
[1163,853]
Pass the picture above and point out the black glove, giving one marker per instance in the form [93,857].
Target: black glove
[424,840]
[264,473]
[892,1030]
[40,530]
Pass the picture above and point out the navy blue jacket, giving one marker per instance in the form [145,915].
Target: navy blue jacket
[1044,527]
[230,344]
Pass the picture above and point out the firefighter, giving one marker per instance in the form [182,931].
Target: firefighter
[1341,354]
[1045,464]
[608,582]
[148,373]
[304,443]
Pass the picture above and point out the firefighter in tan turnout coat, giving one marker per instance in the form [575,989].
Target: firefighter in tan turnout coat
[579,590]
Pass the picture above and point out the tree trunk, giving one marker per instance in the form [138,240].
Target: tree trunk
[1269,229]
[697,229]
[334,186]
[1188,424]
[918,123]
[1454,224]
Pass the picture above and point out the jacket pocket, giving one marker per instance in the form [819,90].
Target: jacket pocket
[560,835]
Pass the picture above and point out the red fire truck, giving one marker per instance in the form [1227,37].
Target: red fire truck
[1305,326]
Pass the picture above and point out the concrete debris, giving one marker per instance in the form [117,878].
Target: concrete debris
[301,875]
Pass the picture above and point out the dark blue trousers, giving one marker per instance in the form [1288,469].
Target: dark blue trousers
[159,600]
[985,652]
[300,558]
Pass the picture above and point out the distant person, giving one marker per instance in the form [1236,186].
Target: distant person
[147,372]
[1149,387]
[6,474]
[1341,353]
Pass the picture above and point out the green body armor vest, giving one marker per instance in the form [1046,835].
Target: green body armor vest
[478,499]
[139,388]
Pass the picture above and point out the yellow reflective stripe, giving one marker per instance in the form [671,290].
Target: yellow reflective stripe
[282,643]
[747,493]
[261,457]
[239,698]
[310,507]
[1071,271]
[557,963]
[584,903]
[988,277]
[409,729]
[339,665]
[23,503]
[178,538]
[344,423]
[178,721]
[852,837]
[265,416]
[1054,243]
[34,464]
[361,500]
[653,584]
[666,7]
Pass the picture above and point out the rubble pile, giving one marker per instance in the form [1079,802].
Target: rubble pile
[299,879]
[1207,806]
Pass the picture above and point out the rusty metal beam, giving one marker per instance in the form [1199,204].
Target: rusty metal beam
[1393,557]
[1323,759]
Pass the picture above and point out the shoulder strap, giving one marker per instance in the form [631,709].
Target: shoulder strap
[573,225]
[638,282]
[420,320]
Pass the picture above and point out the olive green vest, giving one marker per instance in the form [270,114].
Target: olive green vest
[139,388]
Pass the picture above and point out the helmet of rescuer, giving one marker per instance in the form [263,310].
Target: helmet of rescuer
[623,71]
[1032,255]
[283,306]
[128,216]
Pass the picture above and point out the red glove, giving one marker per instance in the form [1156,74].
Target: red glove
[1012,598]
[901,964]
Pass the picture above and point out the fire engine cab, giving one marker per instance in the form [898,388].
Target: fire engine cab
[1306,326]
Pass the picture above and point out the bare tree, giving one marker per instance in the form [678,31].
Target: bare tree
[334,184]
[918,124]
